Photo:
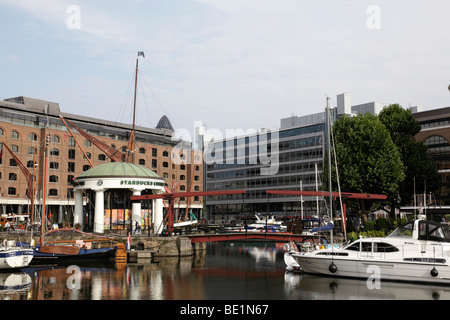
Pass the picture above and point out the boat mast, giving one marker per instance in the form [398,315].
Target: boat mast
[43,221]
[131,143]
[329,164]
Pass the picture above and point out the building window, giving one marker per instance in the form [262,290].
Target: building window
[12,191]
[165,164]
[142,162]
[32,150]
[71,153]
[87,143]
[142,150]
[154,163]
[53,192]
[12,177]
[437,144]
[54,165]
[1,132]
[54,152]
[70,193]
[70,179]
[32,137]
[154,152]
[15,148]
[182,177]
[30,164]
[88,154]
[101,157]
[165,154]
[71,167]
[86,167]
[53,178]
[165,175]
[182,167]
[196,188]
[55,139]
[71,142]
[14,134]
[12,163]
[196,178]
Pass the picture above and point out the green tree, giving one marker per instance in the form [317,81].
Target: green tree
[417,164]
[368,161]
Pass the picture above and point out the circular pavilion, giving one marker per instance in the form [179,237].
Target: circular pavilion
[106,190]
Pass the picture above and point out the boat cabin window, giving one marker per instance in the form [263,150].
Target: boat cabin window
[370,246]
[431,230]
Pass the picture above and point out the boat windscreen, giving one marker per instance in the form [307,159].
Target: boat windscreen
[404,231]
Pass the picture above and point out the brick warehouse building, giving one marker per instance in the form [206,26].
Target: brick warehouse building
[435,134]
[23,122]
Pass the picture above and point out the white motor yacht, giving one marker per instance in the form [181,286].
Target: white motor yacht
[12,256]
[418,251]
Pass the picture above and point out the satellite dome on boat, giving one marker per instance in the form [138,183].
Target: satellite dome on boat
[164,123]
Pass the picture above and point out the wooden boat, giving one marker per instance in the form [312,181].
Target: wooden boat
[94,248]
[73,252]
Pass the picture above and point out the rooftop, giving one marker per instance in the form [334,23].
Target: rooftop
[119,169]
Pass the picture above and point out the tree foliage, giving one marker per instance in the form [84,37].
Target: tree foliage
[420,172]
[379,155]
[368,161]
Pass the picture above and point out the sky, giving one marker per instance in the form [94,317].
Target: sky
[229,64]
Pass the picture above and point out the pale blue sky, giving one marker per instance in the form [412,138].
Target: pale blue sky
[228,63]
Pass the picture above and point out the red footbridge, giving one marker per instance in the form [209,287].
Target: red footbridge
[269,236]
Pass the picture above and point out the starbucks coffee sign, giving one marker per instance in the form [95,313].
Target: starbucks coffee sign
[141,183]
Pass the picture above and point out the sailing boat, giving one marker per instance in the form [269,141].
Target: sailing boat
[11,255]
[67,250]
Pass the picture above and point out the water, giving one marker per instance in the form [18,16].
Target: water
[225,271]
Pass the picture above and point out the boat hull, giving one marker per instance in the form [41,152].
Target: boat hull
[374,269]
[82,254]
[13,258]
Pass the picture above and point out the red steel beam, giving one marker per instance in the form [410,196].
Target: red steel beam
[185,194]
[327,194]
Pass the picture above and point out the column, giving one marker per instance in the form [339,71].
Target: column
[78,213]
[135,211]
[157,214]
[99,217]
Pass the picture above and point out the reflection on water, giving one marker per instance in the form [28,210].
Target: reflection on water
[310,287]
[225,271]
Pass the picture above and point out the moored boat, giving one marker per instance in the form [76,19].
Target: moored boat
[418,251]
[72,252]
[12,256]
[269,224]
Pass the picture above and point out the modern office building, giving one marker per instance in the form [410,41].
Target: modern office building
[24,124]
[293,161]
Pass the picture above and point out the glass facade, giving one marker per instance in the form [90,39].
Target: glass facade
[299,152]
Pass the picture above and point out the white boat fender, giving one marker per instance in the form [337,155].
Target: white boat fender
[332,268]
[434,272]
[286,247]
[289,268]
